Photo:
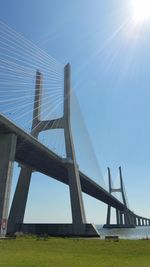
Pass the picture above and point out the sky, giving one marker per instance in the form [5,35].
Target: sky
[108,49]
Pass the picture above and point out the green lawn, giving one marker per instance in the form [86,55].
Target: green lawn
[64,252]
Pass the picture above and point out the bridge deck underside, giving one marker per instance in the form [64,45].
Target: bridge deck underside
[30,152]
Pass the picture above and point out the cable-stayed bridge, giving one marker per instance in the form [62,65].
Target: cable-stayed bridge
[36,132]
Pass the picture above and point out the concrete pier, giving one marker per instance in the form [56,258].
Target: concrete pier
[7,156]
[18,206]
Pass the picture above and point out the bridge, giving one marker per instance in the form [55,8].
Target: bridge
[18,145]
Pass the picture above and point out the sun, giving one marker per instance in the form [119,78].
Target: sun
[141,10]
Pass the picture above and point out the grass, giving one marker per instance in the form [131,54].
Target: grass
[65,252]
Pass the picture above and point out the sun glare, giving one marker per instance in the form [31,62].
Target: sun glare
[141,10]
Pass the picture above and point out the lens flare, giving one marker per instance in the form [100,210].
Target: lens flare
[141,10]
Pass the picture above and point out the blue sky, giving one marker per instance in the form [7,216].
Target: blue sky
[110,62]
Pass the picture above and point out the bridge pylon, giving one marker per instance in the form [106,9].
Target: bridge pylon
[79,226]
[124,218]
[78,213]
[17,210]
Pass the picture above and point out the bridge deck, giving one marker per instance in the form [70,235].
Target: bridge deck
[30,151]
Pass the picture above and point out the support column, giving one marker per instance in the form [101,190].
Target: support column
[17,211]
[108,215]
[127,217]
[121,218]
[7,157]
[136,221]
[139,222]
[117,217]
[78,213]
[109,207]
[132,221]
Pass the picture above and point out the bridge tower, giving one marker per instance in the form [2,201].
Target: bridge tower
[17,211]
[125,218]
[18,206]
